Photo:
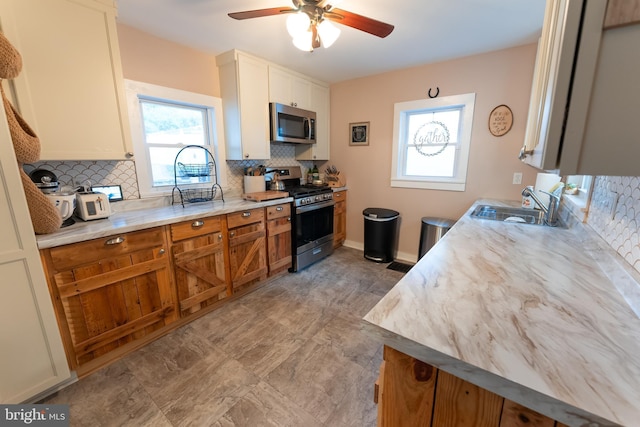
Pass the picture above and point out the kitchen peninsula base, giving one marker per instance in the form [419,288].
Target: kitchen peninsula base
[413,393]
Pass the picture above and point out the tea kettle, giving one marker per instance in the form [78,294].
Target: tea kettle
[276,184]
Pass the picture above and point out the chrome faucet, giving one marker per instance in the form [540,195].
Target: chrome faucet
[551,211]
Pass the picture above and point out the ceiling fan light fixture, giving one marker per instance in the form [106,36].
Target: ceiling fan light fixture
[297,24]
[328,32]
[303,41]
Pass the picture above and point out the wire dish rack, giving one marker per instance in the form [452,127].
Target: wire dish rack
[189,174]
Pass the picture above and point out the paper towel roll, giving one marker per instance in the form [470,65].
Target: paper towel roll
[545,181]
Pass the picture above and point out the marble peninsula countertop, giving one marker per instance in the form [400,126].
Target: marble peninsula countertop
[137,219]
[546,317]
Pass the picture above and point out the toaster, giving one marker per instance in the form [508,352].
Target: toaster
[92,205]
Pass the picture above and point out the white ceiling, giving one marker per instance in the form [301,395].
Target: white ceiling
[425,31]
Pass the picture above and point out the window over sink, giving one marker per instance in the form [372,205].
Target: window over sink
[165,120]
[431,142]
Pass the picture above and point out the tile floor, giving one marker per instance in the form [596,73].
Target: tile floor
[292,353]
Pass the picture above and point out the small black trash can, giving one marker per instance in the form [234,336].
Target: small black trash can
[432,230]
[380,231]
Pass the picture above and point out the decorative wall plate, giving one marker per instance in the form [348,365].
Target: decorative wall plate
[500,120]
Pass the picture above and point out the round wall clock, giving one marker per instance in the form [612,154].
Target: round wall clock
[500,120]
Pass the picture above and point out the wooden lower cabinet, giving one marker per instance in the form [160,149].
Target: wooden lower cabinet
[110,293]
[198,254]
[247,248]
[412,393]
[279,238]
[339,218]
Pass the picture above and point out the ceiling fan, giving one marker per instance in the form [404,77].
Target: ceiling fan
[309,22]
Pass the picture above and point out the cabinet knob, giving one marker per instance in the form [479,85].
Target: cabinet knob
[246,214]
[232,233]
[161,251]
[289,219]
[115,241]
[294,104]
[197,224]
[128,154]
[246,156]
[219,237]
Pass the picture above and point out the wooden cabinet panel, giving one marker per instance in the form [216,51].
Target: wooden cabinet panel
[279,238]
[247,248]
[461,404]
[515,415]
[238,219]
[339,218]
[408,390]
[199,262]
[110,292]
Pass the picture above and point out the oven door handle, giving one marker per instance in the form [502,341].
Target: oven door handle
[315,206]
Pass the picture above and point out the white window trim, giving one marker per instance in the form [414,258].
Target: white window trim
[451,184]
[134,91]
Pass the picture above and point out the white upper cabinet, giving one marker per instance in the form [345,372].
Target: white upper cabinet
[244,86]
[288,88]
[585,99]
[248,84]
[70,90]
[320,104]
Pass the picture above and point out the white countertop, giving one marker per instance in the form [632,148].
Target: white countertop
[123,222]
[545,317]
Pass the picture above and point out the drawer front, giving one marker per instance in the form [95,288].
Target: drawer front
[340,196]
[250,216]
[76,254]
[196,227]
[278,211]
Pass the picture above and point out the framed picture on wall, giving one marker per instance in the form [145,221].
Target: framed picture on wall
[359,133]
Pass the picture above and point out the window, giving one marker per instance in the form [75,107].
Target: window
[165,120]
[431,142]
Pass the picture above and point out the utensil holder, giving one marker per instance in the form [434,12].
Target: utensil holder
[254,184]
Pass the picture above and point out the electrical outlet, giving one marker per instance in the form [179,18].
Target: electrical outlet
[517,178]
[609,203]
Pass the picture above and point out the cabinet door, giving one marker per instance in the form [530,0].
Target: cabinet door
[289,89]
[339,218]
[247,248]
[320,103]
[33,358]
[551,84]
[70,90]
[279,238]
[199,263]
[110,292]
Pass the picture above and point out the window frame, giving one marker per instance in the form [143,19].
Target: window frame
[401,111]
[135,91]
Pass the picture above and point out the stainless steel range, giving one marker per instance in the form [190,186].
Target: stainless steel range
[312,224]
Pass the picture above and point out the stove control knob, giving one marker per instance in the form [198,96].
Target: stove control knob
[318,198]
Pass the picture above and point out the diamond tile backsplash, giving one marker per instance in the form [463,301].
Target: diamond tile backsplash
[614,214]
[102,172]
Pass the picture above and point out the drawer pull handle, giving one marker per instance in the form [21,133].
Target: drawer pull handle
[232,233]
[246,214]
[279,208]
[197,224]
[115,241]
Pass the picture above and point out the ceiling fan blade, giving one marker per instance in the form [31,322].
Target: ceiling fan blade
[368,25]
[258,13]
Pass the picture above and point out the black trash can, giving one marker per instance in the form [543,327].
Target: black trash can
[380,234]
[432,230]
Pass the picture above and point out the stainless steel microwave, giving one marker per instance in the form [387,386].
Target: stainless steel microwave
[292,124]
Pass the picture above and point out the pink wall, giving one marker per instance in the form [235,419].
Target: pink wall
[501,77]
[158,61]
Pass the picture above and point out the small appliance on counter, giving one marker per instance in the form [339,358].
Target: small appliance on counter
[65,202]
[92,205]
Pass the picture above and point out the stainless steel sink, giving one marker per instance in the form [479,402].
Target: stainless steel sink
[507,214]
